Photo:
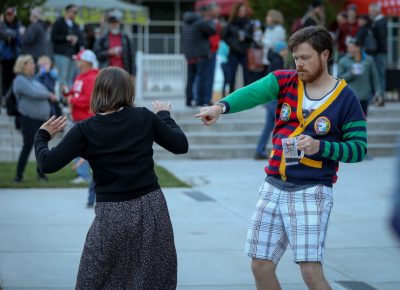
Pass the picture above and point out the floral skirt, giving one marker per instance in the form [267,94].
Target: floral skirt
[130,245]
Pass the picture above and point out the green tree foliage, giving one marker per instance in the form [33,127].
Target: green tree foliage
[293,9]
[23,7]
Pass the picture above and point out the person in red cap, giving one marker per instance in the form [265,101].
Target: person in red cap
[79,97]
[79,101]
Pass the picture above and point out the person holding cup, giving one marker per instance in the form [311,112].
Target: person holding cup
[322,123]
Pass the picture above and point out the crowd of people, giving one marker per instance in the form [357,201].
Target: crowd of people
[48,66]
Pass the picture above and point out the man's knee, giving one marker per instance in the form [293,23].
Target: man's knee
[262,267]
[312,272]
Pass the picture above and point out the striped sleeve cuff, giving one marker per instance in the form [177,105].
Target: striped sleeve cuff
[354,147]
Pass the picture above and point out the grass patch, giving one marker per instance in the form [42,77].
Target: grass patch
[61,179]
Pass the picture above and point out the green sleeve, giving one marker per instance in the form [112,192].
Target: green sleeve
[354,145]
[257,93]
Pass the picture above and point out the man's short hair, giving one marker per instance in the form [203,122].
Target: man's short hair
[69,6]
[317,36]
[375,6]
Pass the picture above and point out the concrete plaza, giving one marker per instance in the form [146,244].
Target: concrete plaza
[42,231]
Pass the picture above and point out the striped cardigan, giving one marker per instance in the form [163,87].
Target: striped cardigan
[339,124]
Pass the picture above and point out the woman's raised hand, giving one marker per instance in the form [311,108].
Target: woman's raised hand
[161,106]
[54,125]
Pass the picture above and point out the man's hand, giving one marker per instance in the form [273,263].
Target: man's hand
[53,125]
[72,39]
[209,115]
[308,144]
[161,106]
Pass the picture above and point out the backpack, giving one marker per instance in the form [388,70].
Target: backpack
[370,44]
[11,103]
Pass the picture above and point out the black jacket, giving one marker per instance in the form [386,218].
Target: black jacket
[102,46]
[195,34]
[276,61]
[379,28]
[10,40]
[366,38]
[59,34]
[231,35]
[34,40]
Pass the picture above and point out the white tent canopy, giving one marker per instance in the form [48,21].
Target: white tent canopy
[97,4]
[131,13]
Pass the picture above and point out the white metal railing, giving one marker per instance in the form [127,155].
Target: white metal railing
[160,76]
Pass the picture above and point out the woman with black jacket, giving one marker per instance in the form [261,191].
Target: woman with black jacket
[238,34]
[130,244]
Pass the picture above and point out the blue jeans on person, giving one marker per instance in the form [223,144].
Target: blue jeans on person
[380,63]
[210,67]
[92,194]
[196,79]
[225,71]
[234,59]
[268,127]
[66,69]
[84,170]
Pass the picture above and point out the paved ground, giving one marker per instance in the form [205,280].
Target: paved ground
[42,231]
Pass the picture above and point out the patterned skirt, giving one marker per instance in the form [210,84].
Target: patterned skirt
[130,245]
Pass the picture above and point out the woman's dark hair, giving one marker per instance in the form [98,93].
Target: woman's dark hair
[317,36]
[365,17]
[113,89]
[235,11]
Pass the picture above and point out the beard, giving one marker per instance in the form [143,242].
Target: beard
[309,77]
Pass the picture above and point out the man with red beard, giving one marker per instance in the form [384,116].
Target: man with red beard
[322,117]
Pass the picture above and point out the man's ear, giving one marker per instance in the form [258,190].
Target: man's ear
[325,54]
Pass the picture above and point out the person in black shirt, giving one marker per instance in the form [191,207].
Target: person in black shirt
[380,30]
[130,244]
[67,40]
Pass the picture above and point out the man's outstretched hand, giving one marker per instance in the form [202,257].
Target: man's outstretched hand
[209,115]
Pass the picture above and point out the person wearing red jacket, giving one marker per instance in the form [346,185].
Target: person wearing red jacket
[79,97]
[79,101]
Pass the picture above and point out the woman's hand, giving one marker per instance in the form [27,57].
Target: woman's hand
[53,125]
[161,106]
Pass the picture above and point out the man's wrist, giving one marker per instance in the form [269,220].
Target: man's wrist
[221,106]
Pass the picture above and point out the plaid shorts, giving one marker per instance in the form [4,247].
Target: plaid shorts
[299,218]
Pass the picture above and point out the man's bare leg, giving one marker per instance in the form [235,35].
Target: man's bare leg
[313,276]
[264,274]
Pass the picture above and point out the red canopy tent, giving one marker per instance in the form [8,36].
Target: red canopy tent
[225,5]
[389,7]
